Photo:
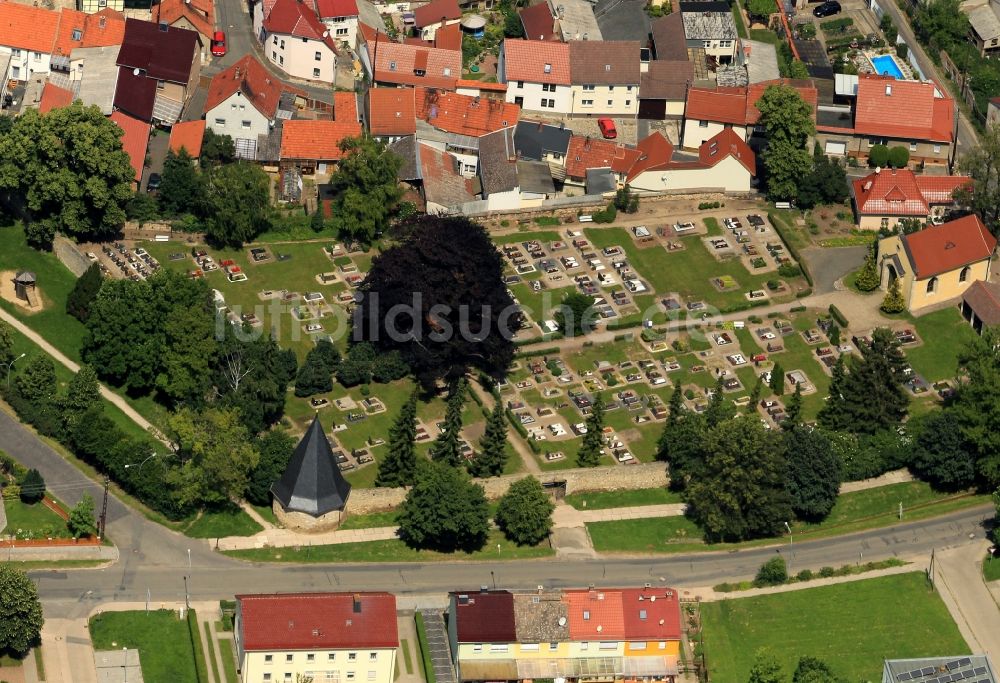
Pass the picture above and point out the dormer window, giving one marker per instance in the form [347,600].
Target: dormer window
[419,72]
[547,69]
[392,66]
[77,34]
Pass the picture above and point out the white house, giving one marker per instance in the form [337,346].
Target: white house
[537,74]
[296,41]
[723,163]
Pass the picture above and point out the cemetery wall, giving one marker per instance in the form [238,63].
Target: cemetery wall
[70,255]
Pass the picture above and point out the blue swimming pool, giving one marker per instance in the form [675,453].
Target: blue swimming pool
[885,65]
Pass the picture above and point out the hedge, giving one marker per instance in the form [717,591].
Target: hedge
[553,350]
[834,24]
[200,668]
[779,227]
[425,653]
[838,316]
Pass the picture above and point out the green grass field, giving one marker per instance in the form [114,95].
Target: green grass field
[33,521]
[228,660]
[221,523]
[602,500]
[852,626]
[163,641]
[869,509]
[991,569]
[391,551]
[944,334]
[370,521]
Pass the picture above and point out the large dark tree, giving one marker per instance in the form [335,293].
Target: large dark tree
[84,292]
[941,453]
[740,491]
[366,189]
[813,472]
[399,466]
[217,149]
[438,297]
[492,456]
[276,449]
[182,188]
[238,198]
[576,315]
[444,511]
[976,408]
[524,513]
[870,397]
[812,670]
[680,442]
[316,374]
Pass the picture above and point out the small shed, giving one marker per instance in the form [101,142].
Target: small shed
[24,285]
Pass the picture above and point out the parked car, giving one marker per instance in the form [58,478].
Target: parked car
[153,184]
[219,43]
[827,9]
[608,129]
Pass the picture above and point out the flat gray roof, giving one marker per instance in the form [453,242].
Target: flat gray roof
[100,76]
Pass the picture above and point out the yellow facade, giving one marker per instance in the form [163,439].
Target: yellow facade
[927,291]
[323,666]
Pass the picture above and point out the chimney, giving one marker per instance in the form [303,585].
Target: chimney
[357,603]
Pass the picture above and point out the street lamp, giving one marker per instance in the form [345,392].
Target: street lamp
[11,365]
[125,663]
[790,539]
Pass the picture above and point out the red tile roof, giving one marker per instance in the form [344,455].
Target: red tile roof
[538,22]
[318,621]
[943,248]
[189,135]
[738,105]
[294,18]
[200,13]
[727,144]
[910,110]
[657,154]
[249,77]
[655,151]
[595,614]
[899,192]
[396,63]
[464,114]
[480,85]
[391,111]
[584,153]
[432,12]
[448,37]
[651,614]
[54,97]
[102,29]
[806,89]
[28,28]
[536,61]
[316,140]
[345,107]
[485,617]
[336,8]
[135,138]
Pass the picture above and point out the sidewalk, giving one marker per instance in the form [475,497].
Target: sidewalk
[637,512]
[959,580]
[284,538]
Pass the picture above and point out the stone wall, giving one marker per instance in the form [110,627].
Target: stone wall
[70,255]
[300,521]
[619,478]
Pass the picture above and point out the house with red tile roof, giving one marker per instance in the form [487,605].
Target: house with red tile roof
[297,42]
[78,30]
[389,63]
[320,636]
[344,18]
[54,97]
[916,115]
[441,183]
[158,69]
[609,633]
[194,15]
[883,198]
[938,264]
[187,135]
[391,112]
[593,153]
[314,146]
[29,35]
[135,139]
[724,163]
[710,110]
[427,19]
[246,102]
[537,74]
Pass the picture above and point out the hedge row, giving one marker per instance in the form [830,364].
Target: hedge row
[838,316]
[779,226]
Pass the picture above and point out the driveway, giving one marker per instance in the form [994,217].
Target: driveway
[156,152]
[827,265]
[623,19]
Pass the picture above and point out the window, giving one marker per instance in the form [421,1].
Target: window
[586,612]
[628,103]
[548,104]
[282,45]
[267,658]
[607,68]
[608,645]
[637,646]
[588,88]
[331,657]
[884,224]
[276,40]
[662,645]
[267,676]
[350,675]
[315,73]
[77,34]
[611,88]
[15,53]
[584,646]
[233,106]
[520,84]
[937,149]
[529,647]
[547,68]
[317,56]
[703,124]
[913,147]
[274,55]
[372,656]
[15,72]
[611,103]
[478,647]
[341,31]
[498,647]
[160,85]
[447,71]
[310,657]
[288,658]
[725,43]
[305,40]
[371,675]
[281,61]
[548,87]
[392,66]
[706,44]
[586,103]
[628,88]
[352,656]
[222,122]
[932,285]
[243,107]
[36,56]
[288,676]
[964,275]
[553,647]
[642,615]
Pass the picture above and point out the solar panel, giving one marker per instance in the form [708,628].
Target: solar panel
[915,673]
[957,677]
[968,674]
[927,671]
[984,680]
[965,661]
[952,665]
[980,670]
[904,677]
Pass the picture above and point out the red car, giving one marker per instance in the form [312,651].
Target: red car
[608,129]
[219,43]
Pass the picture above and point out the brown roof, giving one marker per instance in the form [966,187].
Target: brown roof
[586,152]
[464,114]
[666,80]
[251,78]
[434,11]
[900,192]
[538,22]
[739,105]
[54,97]
[443,182]
[605,62]
[669,41]
[484,617]
[943,248]
[537,61]
[316,140]
[391,111]
[188,135]
[984,299]
[538,617]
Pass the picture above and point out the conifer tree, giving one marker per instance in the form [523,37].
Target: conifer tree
[492,458]
[399,466]
[590,451]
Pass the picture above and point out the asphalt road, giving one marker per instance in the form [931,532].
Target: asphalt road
[154,558]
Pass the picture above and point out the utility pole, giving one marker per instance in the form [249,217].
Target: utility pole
[104,509]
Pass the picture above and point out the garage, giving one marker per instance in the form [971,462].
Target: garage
[836,148]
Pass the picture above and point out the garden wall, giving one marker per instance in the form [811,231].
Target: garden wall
[69,255]
[628,477]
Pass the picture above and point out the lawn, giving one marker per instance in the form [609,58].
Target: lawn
[370,521]
[164,643]
[991,569]
[688,272]
[852,626]
[602,500]
[944,334]
[392,551]
[228,660]
[869,509]
[33,521]
[222,523]
[267,512]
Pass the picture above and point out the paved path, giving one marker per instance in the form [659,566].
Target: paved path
[208,648]
[255,516]
[437,643]
[58,356]
[895,477]
[959,579]
[515,440]
[636,512]
[408,635]
[827,265]
[286,538]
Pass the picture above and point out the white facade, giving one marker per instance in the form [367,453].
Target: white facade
[504,201]
[24,63]
[345,666]
[237,118]
[729,175]
[605,100]
[428,32]
[344,30]
[698,132]
[541,97]
[302,57]
[723,50]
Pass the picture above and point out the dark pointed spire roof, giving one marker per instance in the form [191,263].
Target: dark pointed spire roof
[312,482]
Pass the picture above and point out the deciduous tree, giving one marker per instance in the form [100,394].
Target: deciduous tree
[982,195]
[766,668]
[814,472]
[788,122]
[182,188]
[576,315]
[366,189]
[976,408]
[239,204]
[82,296]
[524,513]
[444,511]
[81,520]
[36,383]
[21,617]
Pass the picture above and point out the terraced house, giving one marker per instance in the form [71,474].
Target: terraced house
[616,634]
